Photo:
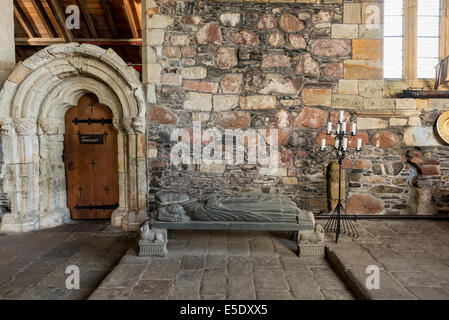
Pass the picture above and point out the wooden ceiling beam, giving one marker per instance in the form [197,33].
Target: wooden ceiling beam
[37,5]
[100,41]
[88,18]
[109,17]
[131,17]
[56,9]
[20,15]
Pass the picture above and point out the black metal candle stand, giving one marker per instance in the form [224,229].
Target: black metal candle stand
[339,221]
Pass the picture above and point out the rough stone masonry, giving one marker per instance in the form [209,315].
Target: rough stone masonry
[290,66]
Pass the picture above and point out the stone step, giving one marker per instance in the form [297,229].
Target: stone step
[350,262]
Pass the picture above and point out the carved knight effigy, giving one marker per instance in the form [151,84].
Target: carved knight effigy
[247,207]
[254,211]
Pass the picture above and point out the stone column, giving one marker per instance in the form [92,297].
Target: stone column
[7,47]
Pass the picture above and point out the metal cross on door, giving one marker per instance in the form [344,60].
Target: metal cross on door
[91,160]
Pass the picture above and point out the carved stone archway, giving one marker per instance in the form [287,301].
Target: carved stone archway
[33,103]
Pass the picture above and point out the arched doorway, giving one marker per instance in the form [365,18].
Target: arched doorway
[91,160]
[33,104]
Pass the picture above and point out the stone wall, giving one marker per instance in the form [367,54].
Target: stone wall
[289,66]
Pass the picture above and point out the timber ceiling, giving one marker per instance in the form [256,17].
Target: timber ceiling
[112,24]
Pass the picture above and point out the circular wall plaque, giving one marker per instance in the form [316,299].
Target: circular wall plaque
[443,126]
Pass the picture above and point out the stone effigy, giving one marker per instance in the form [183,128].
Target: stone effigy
[173,207]
[238,212]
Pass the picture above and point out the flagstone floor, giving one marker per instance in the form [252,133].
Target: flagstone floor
[33,265]
[412,255]
[224,265]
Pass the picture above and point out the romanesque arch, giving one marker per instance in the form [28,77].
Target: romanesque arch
[33,102]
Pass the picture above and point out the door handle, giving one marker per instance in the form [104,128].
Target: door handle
[70,165]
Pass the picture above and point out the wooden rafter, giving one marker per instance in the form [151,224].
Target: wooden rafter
[129,6]
[88,18]
[20,15]
[37,5]
[109,18]
[55,7]
[100,41]
[115,24]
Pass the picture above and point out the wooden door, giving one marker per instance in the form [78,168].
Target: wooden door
[91,161]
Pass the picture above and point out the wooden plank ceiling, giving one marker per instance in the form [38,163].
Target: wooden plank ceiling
[112,24]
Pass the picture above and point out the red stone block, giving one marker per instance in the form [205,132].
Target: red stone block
[200,86]
[311,118]
[163,115]
[429,171]
[330,139]
[331,47]
[234,120]
[290,23]
[334,70]
[364,204]
[362,164]
[245,38]
[352,140]
[385,140]
[335,117]
[346,163]
[232,83]
[226,58]
[265,22]
[275,61]
[210,33]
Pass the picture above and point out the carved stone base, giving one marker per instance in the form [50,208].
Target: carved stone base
[57,217]
[117,217]
[19,223]
[151,249]
[305,250]
[153,241]
[311,242]
[24,222]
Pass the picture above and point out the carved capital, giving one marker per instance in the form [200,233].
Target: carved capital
[127,125]
[25,126]
[138,125]
[5,126]
[50,126]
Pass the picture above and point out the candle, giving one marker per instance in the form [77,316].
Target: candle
[338,128]
[342,114]
[337,143]
[323,144]
[329,127]
[343,127]
[345,143]
[359,144]
[354,128]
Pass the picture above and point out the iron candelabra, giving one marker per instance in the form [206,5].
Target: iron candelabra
[339,221]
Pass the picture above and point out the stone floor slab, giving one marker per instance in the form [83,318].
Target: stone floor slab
[429,293]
